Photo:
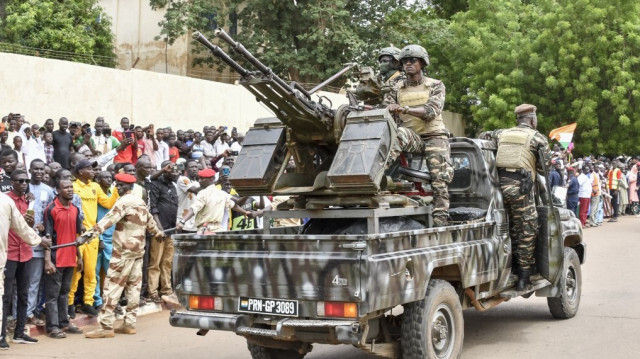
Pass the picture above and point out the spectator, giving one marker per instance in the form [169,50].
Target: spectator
[163,201]
[174,152]
[207,145]
[141,142]
[48,147]
[17,146]
[595,197]
[555,179]
[12,219]
[623,193]
[130,153]
[3,140]
[197,151]
[572,191]
[148,141]
[62,224]
[91,194]
[105,247]
[210,205]
[632,178]
[62,143]
[162,154]
[614,175]
[42,196]
[584,195]
[19,263]
[35,145]
[8,162]
[222,144]
[188,187]
[48,125]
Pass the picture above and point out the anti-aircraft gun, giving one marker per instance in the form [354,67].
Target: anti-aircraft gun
[340,155]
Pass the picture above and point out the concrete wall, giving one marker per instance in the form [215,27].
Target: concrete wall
[44,88]
[135,26]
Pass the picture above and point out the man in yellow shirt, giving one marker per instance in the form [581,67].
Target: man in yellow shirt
[91,194]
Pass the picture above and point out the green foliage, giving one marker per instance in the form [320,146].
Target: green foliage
[72,30]
[575,60]
[305,41]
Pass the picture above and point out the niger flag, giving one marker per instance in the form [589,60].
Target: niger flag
[563,134]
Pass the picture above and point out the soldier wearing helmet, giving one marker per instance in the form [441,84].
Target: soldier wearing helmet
[518,163]
[371,89]
[418,101]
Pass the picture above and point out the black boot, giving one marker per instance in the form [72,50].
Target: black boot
[523,279]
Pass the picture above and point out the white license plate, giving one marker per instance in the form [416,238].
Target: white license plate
[287,308]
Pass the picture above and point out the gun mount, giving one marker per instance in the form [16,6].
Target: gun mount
[339,154]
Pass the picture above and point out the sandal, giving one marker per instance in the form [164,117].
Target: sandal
[57,334]
[72,329]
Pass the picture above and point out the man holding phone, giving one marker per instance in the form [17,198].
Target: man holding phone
[125,135]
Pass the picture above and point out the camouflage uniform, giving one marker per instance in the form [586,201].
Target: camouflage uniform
[131,218]
[426,134]
[521,208]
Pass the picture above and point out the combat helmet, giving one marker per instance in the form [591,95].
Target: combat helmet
[415,51]
[389,51]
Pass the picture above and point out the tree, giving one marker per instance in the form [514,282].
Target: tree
[576,60]
[71,30]
[305,41]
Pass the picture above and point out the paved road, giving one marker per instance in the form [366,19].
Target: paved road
[606,325]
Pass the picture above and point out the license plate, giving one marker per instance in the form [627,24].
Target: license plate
[287,308]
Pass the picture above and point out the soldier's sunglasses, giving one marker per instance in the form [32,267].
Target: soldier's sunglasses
[409,60]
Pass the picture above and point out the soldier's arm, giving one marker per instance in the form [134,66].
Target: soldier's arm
[390,97]
[152,227]
[435,104]
[112,217]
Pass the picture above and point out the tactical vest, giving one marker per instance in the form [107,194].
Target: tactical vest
[418,96]
[514,149]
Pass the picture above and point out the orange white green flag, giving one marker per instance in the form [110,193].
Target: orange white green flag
[563,134]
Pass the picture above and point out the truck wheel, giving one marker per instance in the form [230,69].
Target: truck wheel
[566,305]
[260,352]
[433,327]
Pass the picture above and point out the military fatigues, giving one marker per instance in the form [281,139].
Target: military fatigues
[131,218]
[372,90]
[517,162]
[426,134]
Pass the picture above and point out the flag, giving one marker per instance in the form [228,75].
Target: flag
[563,134]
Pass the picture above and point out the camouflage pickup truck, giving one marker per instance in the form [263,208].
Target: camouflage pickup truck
[377,279]
[367,268]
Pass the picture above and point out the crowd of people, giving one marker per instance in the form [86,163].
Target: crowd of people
[66,182]
[596,187]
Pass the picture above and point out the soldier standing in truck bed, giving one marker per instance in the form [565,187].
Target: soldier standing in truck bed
[518,162]
[418,101]
[373,89]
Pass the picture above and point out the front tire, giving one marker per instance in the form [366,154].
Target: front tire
[260,352]
[433,327]
[566,305]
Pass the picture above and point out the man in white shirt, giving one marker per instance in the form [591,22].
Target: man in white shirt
[188,187]
[584,194]
[162,154]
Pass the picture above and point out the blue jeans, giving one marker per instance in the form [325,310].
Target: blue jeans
[104,256]
[35,285]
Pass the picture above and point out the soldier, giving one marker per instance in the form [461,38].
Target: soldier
[418,101]
[372,89]
[131,218]
[517,161]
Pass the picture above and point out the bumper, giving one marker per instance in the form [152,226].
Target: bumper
[289,329]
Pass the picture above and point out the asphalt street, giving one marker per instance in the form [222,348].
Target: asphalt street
[606,325]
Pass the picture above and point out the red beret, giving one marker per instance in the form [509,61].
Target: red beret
[208,173]
[126,178]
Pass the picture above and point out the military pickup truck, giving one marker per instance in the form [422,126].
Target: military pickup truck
[367,268]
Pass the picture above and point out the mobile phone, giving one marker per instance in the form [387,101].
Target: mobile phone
[234,153]
[128,134]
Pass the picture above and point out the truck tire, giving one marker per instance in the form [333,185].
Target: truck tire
[566,305]
[433,327]
[260,352]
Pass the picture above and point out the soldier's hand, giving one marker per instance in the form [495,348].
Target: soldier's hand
[394,108]
[179,227]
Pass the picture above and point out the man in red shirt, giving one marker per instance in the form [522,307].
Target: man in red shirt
[124,135]
[62,223]
[18,267]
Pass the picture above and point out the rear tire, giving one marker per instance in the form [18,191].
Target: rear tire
[433,327]
[566,305]
[260,352]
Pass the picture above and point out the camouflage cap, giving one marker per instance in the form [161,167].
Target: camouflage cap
[389,51]
[525,109]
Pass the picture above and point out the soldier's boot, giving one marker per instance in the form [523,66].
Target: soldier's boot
[524,275]
[125,329]
[100,333]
